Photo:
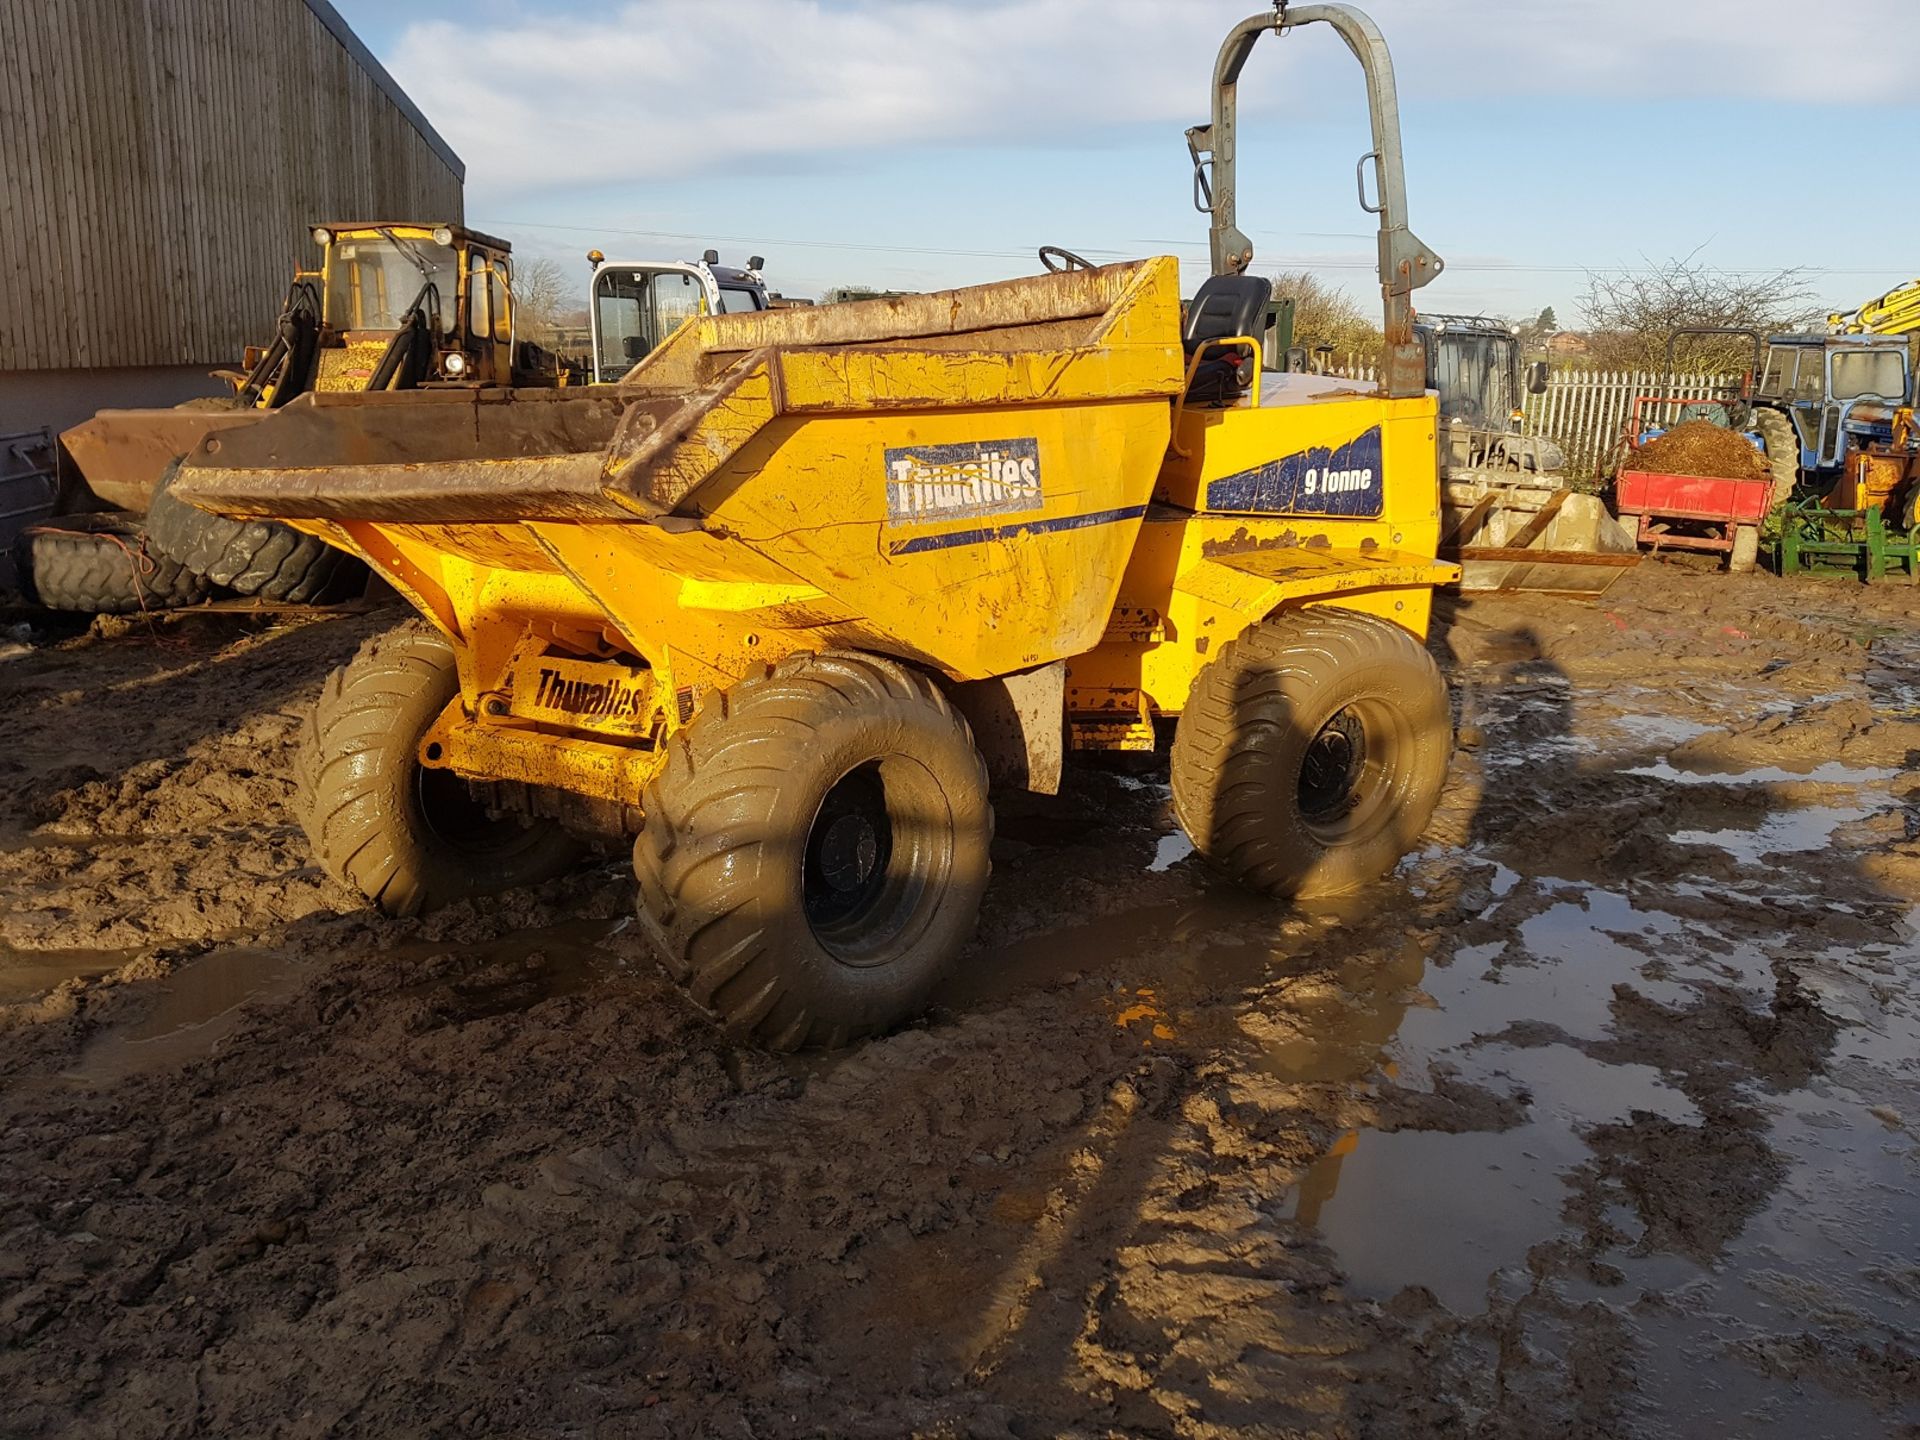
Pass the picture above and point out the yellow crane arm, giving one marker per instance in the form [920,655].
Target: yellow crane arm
[1895,313]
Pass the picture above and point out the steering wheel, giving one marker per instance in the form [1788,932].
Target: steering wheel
[1060,261]
[1469,409]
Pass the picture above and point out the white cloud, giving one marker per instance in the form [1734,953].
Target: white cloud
[655,89]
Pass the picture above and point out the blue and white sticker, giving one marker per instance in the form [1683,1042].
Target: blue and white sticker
[954,482]
[1320,481]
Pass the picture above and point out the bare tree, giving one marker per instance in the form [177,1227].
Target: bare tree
[1631,313]
[1325,314]
[543,293]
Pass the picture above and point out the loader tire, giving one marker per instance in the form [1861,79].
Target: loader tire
[1311,752]
[815,849]
[408,837]
[102,564]
[1783,453]
[263,558]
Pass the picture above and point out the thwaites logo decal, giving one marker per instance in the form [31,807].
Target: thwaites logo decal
[953,482]
[1320,481]
[613,698]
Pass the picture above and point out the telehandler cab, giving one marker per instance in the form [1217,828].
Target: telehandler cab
[634,305]
[784,600]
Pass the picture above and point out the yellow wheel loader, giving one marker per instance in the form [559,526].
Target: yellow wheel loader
[393,305]
[787,601]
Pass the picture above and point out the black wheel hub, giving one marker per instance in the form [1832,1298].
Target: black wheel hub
[1330,770]
[849,849]
[457,818]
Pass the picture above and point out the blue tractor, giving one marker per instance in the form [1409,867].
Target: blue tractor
[1820,398]
[1812,403]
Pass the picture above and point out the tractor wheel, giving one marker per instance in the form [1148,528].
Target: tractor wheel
[1746,549]
[254,557]
[815,849]
[1783,453]
[1311,752]
[407,837]
[102,565]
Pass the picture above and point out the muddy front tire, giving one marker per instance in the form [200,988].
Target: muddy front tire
[407,837]
[1311,752]
[815,850]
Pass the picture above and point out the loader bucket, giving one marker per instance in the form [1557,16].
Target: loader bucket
[121,454]
[954,478]
[1516,534]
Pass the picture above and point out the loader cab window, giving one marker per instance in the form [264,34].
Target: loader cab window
[736,298]
[1474,375]
[479,297]
[502,300]
[371,280]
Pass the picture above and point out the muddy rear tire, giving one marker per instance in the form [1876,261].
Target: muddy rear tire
[263,558]
[1312,752]
[102,564]
[815,850]
[1783,453]
[408,837]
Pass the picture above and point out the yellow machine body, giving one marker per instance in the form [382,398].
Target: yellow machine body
[986,482]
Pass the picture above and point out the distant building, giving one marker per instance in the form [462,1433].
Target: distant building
[164,164]
[1567,343]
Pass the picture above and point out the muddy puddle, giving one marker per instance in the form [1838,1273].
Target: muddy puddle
[201,1002]
[1818,1232]
[1715,1143]
[26,973]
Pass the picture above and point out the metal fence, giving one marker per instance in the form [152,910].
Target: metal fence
[1584,411]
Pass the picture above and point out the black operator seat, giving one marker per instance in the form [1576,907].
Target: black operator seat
[1223,306]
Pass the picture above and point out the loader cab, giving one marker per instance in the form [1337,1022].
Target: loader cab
[1839,391]
[1473,364]
[413,304]
[637,304]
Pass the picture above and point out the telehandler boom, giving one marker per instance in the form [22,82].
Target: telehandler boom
[781,604]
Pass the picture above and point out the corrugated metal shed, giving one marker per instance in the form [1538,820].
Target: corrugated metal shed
[162,161]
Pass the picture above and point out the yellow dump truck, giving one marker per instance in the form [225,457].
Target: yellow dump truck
[784,601]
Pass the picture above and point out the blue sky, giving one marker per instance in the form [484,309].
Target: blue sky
[915,144]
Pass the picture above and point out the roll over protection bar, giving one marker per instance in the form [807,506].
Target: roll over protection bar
[1405,263]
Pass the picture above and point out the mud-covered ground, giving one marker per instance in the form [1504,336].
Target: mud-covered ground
[1600,1118]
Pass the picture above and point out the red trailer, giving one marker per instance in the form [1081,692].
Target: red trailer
[1690,512]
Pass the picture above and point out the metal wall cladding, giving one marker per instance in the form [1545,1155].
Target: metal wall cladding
[162,165]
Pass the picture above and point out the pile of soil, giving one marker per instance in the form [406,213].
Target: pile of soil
[1700,447]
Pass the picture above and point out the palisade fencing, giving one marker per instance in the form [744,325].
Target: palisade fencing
[1586,411]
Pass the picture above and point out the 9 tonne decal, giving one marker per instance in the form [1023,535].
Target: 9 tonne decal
[1345,480]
